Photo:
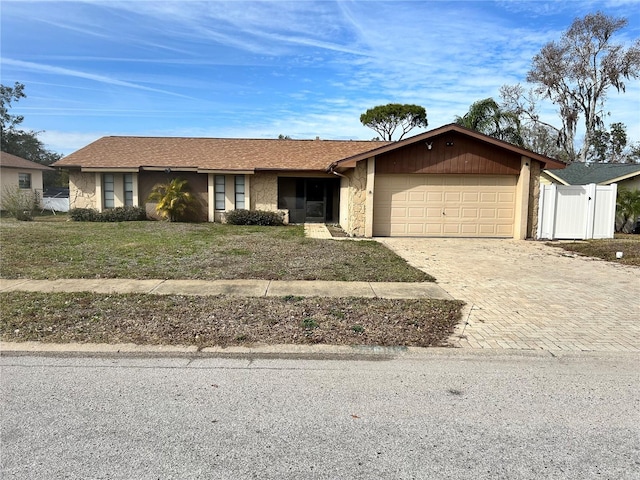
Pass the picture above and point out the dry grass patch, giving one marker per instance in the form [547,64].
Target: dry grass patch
[606,249]
[222,320]
[206,251]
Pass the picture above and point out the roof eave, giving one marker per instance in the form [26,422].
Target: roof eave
[621,178]
[555,177]
[350,162]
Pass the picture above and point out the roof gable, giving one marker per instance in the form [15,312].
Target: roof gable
[229,154]
[579,173]
[431,135]
[8,160]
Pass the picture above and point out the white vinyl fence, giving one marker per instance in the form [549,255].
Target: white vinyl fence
[577,211]
[55,204]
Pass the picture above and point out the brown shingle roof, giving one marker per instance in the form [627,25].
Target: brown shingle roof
[214,153]
[13,161]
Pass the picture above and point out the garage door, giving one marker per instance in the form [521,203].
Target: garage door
[444,205]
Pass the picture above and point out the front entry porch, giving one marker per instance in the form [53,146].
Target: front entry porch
[309,200]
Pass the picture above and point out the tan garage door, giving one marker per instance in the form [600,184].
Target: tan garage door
[444,205]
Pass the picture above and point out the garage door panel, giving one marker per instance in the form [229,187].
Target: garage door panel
[417,196]
[434,197]
[469,230]
[487,213]
[444,205]
[506,197]
[506,213]
[415,212]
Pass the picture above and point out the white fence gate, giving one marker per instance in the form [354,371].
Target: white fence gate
[577,211]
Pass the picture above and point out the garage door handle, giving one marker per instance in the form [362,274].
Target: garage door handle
[443,213]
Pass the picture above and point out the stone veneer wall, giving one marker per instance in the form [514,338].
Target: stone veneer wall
[82,190]
[264,192]
[534,200]
[357,200]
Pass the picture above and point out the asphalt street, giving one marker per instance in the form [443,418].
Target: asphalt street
[441,414]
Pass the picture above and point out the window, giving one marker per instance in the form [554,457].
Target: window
[128,189]
[108,190]
[219,192]
[239,187]
[24,180]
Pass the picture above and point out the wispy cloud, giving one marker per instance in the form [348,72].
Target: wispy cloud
[262,68]
[51,69]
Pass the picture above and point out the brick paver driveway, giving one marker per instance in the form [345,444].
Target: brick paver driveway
[526,295]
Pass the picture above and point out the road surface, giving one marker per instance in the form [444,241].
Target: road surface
[442,414]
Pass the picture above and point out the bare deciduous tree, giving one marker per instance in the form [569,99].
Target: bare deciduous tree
[576,72]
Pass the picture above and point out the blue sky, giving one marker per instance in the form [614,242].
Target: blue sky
[260,69]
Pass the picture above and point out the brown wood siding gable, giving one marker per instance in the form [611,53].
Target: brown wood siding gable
[463,156]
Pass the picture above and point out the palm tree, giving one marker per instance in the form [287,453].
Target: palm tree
[627,207]
[486,116]
[175,202]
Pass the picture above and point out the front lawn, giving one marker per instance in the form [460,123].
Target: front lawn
[606,249]
[222,320]
[52,249]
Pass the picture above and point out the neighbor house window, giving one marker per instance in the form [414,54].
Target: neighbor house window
[108,190]
[219,192]
[128,189]
[24,180]
[239,184]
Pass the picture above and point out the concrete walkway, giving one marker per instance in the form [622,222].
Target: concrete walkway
[250,288]
[527,295]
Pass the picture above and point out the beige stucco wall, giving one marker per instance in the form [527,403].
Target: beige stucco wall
[82,190]
[264,192]
[9,180]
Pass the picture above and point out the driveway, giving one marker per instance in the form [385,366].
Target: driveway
[526,295]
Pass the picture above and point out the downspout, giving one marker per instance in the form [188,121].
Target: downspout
[331,170]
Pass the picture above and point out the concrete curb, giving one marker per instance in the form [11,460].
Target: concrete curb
[327,352]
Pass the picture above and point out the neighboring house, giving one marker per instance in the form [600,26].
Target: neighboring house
[450,181]
[17,172]
[624,174]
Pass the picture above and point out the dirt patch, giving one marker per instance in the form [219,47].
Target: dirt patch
[224,320]
[607,249]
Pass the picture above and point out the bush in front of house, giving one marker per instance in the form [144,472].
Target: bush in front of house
[19,203]
[254,217]
[118,214]
[124,214]
[84,215]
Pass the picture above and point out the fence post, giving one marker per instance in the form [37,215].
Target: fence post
[590,210]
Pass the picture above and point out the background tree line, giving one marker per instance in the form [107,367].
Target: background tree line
[575,74]
[25,143]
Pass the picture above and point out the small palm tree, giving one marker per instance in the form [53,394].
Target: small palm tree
[627,207]
[175,202]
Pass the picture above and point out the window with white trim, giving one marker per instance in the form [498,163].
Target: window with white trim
[108,184]
[239,192]
[24,180]
[128,189]
[219,192]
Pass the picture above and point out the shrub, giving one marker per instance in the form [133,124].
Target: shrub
[123,214]
[254,217]
[84,215]
[118,214]
[20,203]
